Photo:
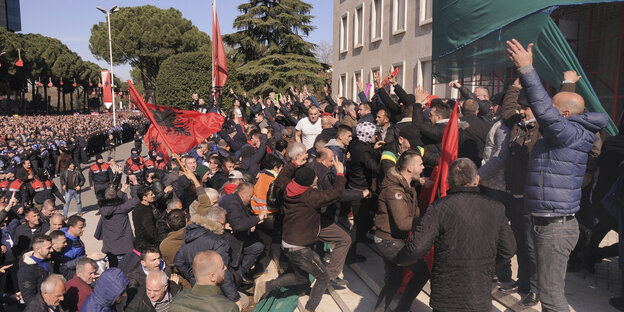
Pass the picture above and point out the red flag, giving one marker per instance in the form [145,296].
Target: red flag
[219,62]
[108,95]
[154,143]
[178,130]
[439,176]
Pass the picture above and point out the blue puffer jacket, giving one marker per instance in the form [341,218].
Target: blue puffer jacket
[559,158]
[109,286]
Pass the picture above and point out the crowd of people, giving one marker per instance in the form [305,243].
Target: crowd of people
[195,234]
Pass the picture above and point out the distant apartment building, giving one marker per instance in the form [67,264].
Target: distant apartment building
[10,18]
[381,35]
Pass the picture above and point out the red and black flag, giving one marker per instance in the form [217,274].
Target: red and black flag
[178,130]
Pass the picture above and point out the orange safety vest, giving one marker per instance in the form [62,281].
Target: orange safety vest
[258,201]
[149,164]
[16,185]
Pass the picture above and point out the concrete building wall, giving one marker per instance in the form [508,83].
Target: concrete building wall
[401,39]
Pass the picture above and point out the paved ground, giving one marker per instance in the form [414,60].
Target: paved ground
[585,292]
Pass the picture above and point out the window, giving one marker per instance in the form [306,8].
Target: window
[371,80]
[344,33]
[358,27]
[401,75]
[399,16]
[426,12]
[424,74]
[376,20]
[357,75]
[342,85]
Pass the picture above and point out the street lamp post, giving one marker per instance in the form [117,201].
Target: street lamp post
[110,47]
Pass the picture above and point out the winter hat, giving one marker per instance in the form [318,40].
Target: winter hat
[201,170]
[98,157]
[365,131]
[304,176]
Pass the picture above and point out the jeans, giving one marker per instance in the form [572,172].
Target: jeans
[68,197]
[303,261]
[393,277]
[553,244]
[522,227]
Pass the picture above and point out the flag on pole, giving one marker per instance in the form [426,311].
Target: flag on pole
[439,176]
[108,93]
[219,62]
[178,130]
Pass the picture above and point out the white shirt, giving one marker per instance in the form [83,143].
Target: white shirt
[309,131]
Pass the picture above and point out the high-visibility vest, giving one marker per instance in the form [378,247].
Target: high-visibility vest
[259,199]
[101,168]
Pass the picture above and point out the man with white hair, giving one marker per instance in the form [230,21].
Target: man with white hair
[49,300]
[158,294]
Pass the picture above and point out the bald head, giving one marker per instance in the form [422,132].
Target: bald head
[208,268]
[326,157]
[569,103]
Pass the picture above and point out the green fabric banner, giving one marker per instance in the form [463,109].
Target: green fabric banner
[469,48]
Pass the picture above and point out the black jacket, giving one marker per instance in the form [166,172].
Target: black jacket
[37,304]
[144,224]
[470,234]
[79,179]
[364,164]
[30,276]
[22,238]
[472,142]
[241,220]
[142,303]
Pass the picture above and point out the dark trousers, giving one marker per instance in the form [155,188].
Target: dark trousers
[340,241]
[393,277]
[303,261]
[522,227]
[503,272]
[251,250]
[363,211]
[553,244]
[265,231]
[99,189]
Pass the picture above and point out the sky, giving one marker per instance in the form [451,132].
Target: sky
[71,20]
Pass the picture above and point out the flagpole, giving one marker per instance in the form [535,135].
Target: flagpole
[214,10]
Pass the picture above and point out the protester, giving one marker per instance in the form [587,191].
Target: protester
[51,296]
[471,235]
[158,295]
[79,288]
[109,289]
[72,181]
[35,266]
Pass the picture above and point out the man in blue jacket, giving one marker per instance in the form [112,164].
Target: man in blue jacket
[555,174]
[75,248]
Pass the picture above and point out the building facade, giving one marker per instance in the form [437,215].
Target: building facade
[381,35]
[10,17]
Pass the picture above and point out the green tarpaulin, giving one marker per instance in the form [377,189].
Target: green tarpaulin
[469,39]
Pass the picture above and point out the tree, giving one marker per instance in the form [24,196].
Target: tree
[269,47]
[183,74]
[323,52]
[145,36]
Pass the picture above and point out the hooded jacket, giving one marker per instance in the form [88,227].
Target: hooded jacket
[204,234]
[109,286]
[558,160]
[302,205]
[114,229]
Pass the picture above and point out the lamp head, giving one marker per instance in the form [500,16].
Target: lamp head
[101,9]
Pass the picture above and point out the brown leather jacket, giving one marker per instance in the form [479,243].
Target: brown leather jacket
[398,207]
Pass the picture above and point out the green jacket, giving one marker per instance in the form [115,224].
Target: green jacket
[202,298]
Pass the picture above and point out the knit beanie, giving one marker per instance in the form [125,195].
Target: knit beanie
[365,131]
[201,170]
[412,135]
[304,176]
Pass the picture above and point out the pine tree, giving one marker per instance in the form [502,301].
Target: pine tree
[269,46]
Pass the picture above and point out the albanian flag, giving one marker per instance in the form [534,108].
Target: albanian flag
[219,62]
[439,176]
[178,130]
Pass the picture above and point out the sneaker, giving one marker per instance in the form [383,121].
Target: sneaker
[339,283]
